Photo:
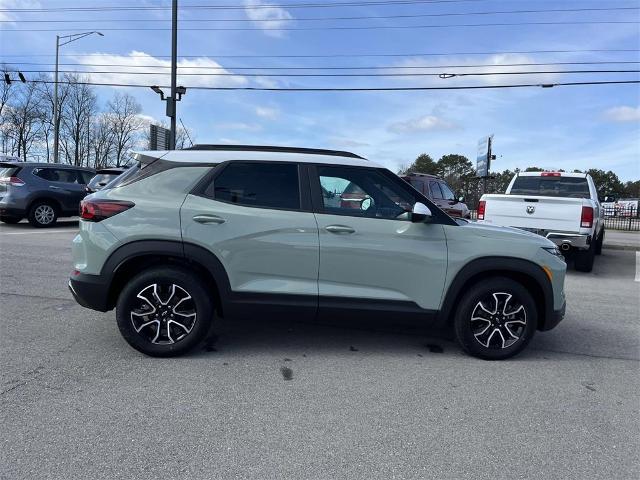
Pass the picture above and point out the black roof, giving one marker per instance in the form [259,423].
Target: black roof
[271,148]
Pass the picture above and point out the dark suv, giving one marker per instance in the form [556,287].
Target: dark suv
[437,190]
[42,192]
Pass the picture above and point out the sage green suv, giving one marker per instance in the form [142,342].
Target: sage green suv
[213,231]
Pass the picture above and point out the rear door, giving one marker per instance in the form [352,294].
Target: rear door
[256,218]
[63,184]
[373,257]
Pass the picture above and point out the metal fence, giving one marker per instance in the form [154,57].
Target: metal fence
[622,218]
[615,218]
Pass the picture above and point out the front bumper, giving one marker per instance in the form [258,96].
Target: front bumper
[90,291]
[555,318]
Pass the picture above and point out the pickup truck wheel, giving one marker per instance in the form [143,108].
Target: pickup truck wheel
[496,319]
[583,259]
[599,243]
[164,312]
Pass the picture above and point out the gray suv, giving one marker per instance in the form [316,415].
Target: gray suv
[185,236]
[42,192]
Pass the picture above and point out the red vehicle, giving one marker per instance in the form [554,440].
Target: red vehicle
[437,190]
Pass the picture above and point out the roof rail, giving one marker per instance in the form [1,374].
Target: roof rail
[271,148]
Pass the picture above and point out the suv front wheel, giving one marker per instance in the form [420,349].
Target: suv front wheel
[164,312]
[496,319]
[43,214]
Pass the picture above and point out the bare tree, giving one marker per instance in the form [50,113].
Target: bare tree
[25,118]
[125,122]
[102,143]
[79,109]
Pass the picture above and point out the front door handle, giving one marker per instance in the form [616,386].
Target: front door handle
[339,229]
[208,219]
[54,187]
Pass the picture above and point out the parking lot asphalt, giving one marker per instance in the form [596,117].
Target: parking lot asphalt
[290,400]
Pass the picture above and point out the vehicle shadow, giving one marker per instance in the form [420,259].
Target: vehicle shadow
[292,337]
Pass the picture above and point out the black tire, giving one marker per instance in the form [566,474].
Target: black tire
[10,220]
[600,242]
[43,214]
[155,339]
[504,336]
[583,259]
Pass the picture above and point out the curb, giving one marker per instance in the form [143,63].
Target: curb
[621,247]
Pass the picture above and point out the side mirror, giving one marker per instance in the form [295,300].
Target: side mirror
[609,199]
[420,213]
[461,199]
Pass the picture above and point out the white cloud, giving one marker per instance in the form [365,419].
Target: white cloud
[623,114]
[240,126]
[266,112]
[421,124]
[136,62]
[10,4]
[269,19]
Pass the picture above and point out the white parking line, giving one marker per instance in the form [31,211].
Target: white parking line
[39,231]
[637,266]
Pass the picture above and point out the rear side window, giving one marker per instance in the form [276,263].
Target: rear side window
[267,185]
[85,177]
[573,187]
[64,175]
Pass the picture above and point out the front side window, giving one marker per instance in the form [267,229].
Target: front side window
[436,193]
[266,185]
[447,194]
[362,192]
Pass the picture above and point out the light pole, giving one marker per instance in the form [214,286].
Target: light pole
[56,121]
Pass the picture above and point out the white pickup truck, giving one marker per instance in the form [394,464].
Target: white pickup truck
[561,206]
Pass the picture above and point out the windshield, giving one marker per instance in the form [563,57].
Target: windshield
[572,187]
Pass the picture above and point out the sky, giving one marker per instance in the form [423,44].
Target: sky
[590,126]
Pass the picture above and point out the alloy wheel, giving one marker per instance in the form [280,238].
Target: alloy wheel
[44,214]
[498,320]
[163,313]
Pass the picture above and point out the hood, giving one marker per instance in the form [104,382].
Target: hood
[484,230]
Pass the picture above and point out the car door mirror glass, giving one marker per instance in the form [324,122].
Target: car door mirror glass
[420,213]
[461,199]
[366,203]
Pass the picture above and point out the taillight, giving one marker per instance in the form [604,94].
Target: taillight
[586,219]
[97,210]
[15,181]
[481,208]
[551,174]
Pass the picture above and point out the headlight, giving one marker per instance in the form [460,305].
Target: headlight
[554,251]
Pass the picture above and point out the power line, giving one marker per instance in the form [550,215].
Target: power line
[377,67]
[368,75]
[359,89]
[234,7]
[340,55]
[351,27]
[303,19]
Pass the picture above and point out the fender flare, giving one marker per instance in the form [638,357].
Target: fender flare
[506,266]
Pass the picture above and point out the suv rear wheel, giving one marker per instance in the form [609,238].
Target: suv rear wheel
[43,214]
[496,319]
[164,312]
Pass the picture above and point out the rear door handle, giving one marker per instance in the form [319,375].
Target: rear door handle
[208,219]
[339,229]
[54,187]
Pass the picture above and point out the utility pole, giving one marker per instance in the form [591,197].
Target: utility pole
[171,104]
[56,111]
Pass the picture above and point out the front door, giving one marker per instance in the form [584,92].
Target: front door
[371,254]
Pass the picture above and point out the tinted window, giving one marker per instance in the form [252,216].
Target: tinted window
[84,176]
[436,193]
[270,185]
[63,175]
[417,184]
[362,192]
[574,187]
[446,191]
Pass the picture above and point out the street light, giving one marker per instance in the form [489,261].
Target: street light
[56,121]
